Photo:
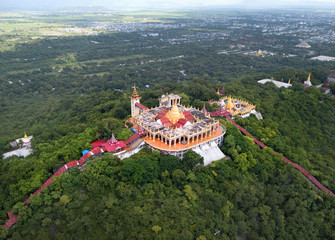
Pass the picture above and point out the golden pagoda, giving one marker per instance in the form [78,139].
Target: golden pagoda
[174,114]
[259,53]
[25,136]
[135,94]
[230,105]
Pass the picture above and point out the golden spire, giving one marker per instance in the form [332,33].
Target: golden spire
[174,114]
[309,78]
[230,105]
[25,136]
[289,81]
[218,92]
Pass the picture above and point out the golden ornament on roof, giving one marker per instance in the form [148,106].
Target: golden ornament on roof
[230,105]
[174,114]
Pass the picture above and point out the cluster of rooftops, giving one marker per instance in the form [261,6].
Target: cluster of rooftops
[190,121]
[113,145]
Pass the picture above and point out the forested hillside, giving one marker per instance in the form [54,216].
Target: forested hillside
[210,200]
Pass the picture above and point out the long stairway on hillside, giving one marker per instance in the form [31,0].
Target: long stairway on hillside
[297,166]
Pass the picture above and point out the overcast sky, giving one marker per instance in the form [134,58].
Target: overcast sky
[143,4]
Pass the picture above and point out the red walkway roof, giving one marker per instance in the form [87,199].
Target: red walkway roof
[141,106]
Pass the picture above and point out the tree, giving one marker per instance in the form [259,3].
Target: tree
[139,171]
[245,161]
[107,126]
[156,229]
[192,159]
[169,163]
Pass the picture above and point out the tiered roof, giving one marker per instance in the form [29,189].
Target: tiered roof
[111,145]
[220,112]
[135,95]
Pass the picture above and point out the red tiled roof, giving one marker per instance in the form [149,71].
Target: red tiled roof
[141,106]
[165,119]
[187,113]
[182,121]
[71,164]
[168,124]
[114,147]
[94,148]
[132,138]
[96,151]
[97,143]
[164,111]
[189,117]
[178,125]
[160,115]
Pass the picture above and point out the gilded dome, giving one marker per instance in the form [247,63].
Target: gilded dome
[230,105]
[174,114]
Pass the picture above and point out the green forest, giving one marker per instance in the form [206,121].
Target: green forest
[69,91]
[253,195]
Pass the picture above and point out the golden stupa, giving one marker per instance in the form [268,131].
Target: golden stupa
[259,53]
[174,114]
[230,105]
[309,78]
[289,81]
[25,136]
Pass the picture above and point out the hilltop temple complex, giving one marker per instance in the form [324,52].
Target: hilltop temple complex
[175,129]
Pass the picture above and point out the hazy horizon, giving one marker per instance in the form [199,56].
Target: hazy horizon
[160,4]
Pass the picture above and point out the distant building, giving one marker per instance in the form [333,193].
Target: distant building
[24,145]
[277,83]
[303,45]
[259,53]
[25,140]
[323,58]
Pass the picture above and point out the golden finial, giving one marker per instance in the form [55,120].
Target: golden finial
[289,81]
[309,78]
[25,136]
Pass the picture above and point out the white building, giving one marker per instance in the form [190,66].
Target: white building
[24,147]
[277,83]
[323,58]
